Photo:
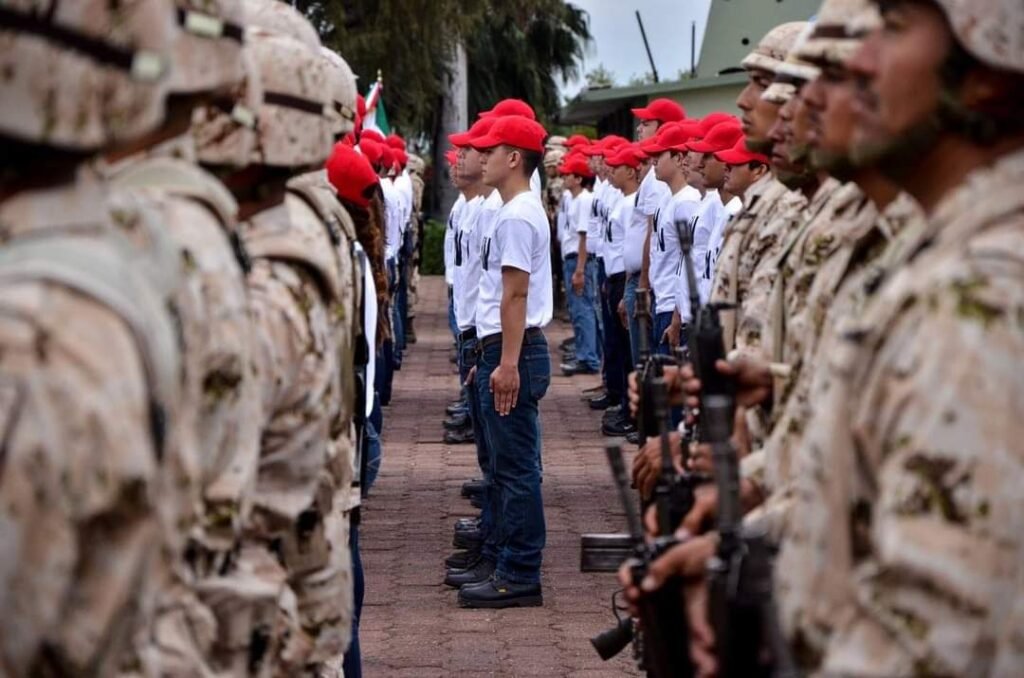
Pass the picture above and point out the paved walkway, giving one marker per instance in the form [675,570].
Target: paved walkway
[412,625]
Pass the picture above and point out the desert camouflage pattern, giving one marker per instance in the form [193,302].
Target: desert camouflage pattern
[57,96]
[274,16]
[738,256]
[92,427]
[208,46]
[774,46]
[225,136]
[904,556]
[766,241]
[342,108]
[854,274]
[991,30]
[837,29]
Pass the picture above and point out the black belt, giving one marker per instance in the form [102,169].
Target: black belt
[572,255]
[491,340]
[468,334]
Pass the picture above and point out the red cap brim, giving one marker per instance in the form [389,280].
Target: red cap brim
[461,139]
[644,114]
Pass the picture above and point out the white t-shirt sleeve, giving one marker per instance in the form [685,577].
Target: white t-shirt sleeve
[585,207]
[514,239]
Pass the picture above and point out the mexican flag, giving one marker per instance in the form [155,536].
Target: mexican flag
[376,118]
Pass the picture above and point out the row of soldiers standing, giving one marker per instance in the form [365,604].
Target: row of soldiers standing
[183,347]
[870,293]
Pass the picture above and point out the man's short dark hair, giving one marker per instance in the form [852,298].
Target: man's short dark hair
[531,160]
[754,164]
[586,182]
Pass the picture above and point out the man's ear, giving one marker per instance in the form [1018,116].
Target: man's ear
[759,172]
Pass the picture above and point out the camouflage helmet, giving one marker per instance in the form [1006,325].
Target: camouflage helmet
[225,131]
[416,164]
[291,127]
[991,31]
[774,46]
[208,50]
[83,74]
[553,156]
[792,73]
[835,37]
[275,16]
[342,89]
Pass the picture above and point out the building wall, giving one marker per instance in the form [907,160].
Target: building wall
[736,26]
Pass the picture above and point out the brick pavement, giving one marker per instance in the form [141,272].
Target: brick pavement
[411,624]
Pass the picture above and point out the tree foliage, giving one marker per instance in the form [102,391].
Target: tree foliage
[515,48]
[600,77]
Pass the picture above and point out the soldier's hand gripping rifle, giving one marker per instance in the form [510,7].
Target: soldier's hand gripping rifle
[741,609]
[665,635]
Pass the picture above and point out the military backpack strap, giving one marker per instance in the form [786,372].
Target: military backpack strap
[330,221]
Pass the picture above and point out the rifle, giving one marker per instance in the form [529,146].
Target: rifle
[664,640]
[748,640]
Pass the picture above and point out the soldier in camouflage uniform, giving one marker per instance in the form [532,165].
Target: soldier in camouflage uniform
[295,287]
[743,247]
[904,553]
[92,421]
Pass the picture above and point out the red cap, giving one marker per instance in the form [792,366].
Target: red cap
[670,137]
[577,140]
[387,156]
[480,128]
[351,175]
[663,110]
[372,150]
[603,146]
[627,156]
[401,157]
[575,164]
[722,137]
[740,154]
[511,107]
[360,105]
[712,119]
[514,131]
[395,141]
[374,135]
[452,156]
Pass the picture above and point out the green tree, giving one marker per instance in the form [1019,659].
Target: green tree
[600,77]
[514,49]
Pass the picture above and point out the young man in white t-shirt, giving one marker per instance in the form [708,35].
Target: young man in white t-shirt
[579,266]
[625,176]
[669,152]
[710,219]
[651,194]
[513,369]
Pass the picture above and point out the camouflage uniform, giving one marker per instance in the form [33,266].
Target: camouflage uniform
[92,422]
[747,239]
[904,554]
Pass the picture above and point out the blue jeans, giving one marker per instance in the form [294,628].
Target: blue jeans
[616,340]
[514,444]
[467,360]
[384,374]
[452,325]
[353,662]
[397,322]
[661,323]
[374,425]
[582,313]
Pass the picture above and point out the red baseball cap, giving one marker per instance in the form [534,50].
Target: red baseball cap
[722,137]
[387,156]
[628,156]
[372,150]
[577,140]
[395,141]
[669,137]
[479,129]
[511,107]
[712,119]
[515,131]
[401,157]
[605,145]
[576,165]
[373,135]
[351,175]
[740,154]
[663,110]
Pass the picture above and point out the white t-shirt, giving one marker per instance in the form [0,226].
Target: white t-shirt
[595,224]
[520,238]
[615,234]
[535,184]
[403,184]
[464,288]
[665,251]
[369,329]
[449,238]
[562,216]
[392,217]
[732,208]
[636,234]
[710,216]
[652,194]
[579,220]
